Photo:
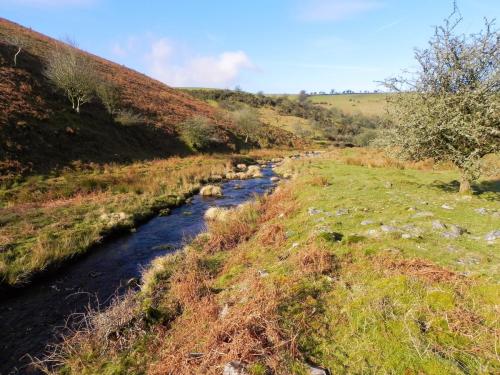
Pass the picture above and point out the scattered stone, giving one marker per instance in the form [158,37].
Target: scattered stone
[412,209]
[492,236]
[211,191]
[295,244]
[481,211]
[314,211]
[274,179]
[372,233]
[422,214]
[231,175]
[388,228]
[254,171]
[437,224]
[242,167]
[234,368]
[237,187]
[313,370]
[341,212]
[367,222]
[388,184]
[468,261]
[447,207]
[454,232]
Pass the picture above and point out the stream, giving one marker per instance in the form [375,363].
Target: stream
[33,317]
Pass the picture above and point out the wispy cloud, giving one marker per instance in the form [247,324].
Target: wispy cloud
[219,70]
[335,10]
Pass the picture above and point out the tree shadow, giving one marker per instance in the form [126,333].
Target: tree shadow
[489,189]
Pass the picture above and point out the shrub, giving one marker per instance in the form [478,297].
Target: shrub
[197,133]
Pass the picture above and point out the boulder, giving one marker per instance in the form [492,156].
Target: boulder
[492,236]
[242,167]
[367,222]
[254,171]
[437,224]
[231,175]
[211,191]
[313,370]
[274,179]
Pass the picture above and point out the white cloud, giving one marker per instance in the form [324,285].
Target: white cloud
[335,10]
[210,71]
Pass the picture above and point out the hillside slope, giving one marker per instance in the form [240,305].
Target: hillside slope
[39,131]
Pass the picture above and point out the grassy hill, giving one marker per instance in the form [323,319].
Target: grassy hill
[39,131]
[366,104]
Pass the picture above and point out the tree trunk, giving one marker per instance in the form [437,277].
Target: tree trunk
[465,186]
[15,56]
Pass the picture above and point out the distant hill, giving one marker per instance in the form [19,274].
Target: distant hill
[39,131]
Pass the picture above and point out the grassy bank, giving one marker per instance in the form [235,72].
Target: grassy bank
[348,267]
[45,219]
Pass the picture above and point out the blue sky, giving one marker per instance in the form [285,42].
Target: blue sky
[276,45]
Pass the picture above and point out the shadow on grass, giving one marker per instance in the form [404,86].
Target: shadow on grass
[489,189]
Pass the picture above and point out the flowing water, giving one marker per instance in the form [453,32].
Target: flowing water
[32,317]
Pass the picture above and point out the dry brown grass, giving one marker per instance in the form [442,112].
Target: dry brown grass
[203,339]
[319,181]
[315,258]
[421,269]
[272,235]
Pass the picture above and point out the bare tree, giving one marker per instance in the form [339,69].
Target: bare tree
[73,72]
[18,41]
[449,109]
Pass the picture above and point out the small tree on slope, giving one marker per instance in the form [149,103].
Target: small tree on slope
[449,109]
[73,73]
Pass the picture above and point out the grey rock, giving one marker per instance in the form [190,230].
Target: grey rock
[447,207]
[388,228]
[314,211]
[367,222]
[437,224]
[481,211]
[454,232]
[313,370]
[274,179]
[341,212]
[235,368]
[493,235]
[457,229]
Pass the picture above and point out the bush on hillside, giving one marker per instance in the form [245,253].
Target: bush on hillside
[197,133]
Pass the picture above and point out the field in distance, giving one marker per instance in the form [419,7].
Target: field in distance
[366,104]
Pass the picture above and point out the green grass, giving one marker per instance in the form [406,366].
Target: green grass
[366,104]
[348,297]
